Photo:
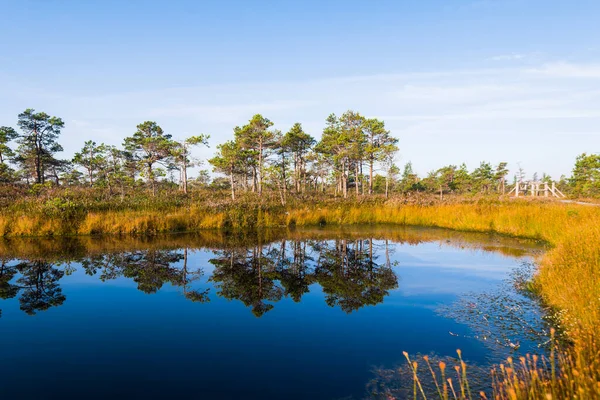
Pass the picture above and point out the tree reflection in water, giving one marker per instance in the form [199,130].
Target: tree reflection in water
[150,269]
[35,280]
[259,276]
[7,274]
[262,275]
[351,277]
[249,276]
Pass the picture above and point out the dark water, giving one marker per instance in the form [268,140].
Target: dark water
[284,315]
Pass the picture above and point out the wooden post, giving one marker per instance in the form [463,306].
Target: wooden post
[532,189]
[545,189]
[554,189]
[517,189]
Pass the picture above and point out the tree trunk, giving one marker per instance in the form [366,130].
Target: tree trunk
[281,194]
[303,175]
[296,174]
[283,174]
[337,186]
[362,183]
[356,179]
[184,176]
[371,177]
[322,183]
[151,179]
[344,182]
[387,185]
[231,183]
[91,168]
[43,172]
[180,184]
[260,166]
[55,176]
[38,159]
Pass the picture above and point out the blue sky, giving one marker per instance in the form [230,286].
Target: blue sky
[456,81]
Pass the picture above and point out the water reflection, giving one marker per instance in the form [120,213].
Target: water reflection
[35,282]
[259,276]
[253,326]
[262,275]
[347,267]
[7,274]
[149,269]
[350,277]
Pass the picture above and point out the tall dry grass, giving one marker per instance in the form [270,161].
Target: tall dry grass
[536,220]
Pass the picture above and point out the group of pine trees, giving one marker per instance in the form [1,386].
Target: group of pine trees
[354,155]
[351,148]
[147,154]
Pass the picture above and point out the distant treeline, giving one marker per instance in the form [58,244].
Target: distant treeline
[355,155]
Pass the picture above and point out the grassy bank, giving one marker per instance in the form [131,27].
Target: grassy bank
[65,216]
[568,279]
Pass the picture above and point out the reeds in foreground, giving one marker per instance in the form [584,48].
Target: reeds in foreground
[564,374]
[446,387]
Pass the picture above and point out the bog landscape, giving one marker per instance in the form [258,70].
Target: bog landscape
[274,255]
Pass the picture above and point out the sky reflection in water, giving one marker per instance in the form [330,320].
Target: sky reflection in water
[296,315]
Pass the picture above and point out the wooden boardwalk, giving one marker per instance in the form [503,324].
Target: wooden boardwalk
[536,189]
[581,203]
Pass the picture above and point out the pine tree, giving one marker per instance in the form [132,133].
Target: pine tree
[38,143]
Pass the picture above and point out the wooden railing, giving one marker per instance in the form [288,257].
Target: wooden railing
[536,189]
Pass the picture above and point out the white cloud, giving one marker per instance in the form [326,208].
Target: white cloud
[567,70]
[508,57]
[223,113]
